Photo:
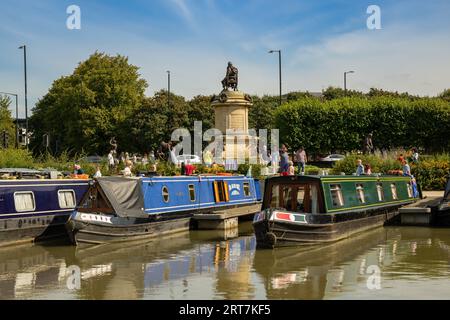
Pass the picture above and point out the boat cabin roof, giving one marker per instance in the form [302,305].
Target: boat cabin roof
[311,178]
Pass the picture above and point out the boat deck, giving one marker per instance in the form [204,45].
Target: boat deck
[419,213]
[224,219]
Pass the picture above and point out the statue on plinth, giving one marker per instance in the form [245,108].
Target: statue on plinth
[231,78]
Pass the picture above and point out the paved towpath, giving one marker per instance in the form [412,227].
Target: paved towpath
[433,193]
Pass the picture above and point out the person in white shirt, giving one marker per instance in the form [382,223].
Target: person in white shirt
[98,173]
[127,171]
[291,170]
[111,162]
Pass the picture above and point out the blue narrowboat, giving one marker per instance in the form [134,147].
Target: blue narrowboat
[34,207]
[120,209]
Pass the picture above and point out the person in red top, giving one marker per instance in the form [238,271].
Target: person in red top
[189,168]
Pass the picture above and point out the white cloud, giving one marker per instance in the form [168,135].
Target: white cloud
[394,58]
[184,11]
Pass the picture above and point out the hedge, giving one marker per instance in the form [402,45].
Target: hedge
[341,124]
[431,172]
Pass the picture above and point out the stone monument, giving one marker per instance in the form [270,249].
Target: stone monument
[231,114]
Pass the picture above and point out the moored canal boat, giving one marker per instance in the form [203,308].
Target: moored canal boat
[35,207]
[314,209]
[120,209]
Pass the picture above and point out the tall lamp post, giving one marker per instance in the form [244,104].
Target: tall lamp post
[168,88]
[17,116]
[345,79]
[279,67]
[24,47]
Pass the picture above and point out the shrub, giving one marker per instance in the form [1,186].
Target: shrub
[431,172]
[341,124]
[16,158]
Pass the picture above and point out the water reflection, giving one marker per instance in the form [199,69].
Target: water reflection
[205,265]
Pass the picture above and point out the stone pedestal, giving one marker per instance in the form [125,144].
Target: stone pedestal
[231,113]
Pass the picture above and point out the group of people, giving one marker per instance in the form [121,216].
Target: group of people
[363,169]
[287,166]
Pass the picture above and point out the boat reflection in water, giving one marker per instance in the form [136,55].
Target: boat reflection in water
[166,268]
[348,268]
[203,265]
[29,269]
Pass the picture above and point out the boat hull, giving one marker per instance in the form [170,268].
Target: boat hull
[47,214]
[32,229]
[321,228]
[86,232]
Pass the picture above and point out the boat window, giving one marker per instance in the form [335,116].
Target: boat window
[221,191]
[410,190]
[336,195]
[380,191]
[301,199]
[394,191]
[94,200]
[24,201]
[314,200]
[165,194]
[287,198]
[66,199]
[360,193]
[191,192]
[246,189]
[275,196]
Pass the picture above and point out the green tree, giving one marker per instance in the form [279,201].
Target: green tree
[155,121]
[6,122]
[261,114]
[200,109]
[341,124]
[374,92]
[335,93]
[445,95]
[84,110]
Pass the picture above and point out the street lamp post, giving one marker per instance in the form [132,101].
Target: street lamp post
[24,47]
[168,88]
[17,116]
[279,67]
[345,79]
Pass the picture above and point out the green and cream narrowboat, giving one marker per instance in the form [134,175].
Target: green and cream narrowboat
[312,209]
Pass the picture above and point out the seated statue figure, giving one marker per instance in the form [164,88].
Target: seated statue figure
[231,78]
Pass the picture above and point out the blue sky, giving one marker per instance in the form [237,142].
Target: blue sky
[196,38]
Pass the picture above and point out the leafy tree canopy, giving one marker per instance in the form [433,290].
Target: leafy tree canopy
[84,110]
[6,122]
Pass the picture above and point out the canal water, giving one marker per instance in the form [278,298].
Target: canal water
[385,263]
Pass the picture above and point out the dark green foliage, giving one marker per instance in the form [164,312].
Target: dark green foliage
[445,95]
[335,93]
[341,124]
[431,171]
[84,110]
[6,122]
[199,109]
[262,112]
[155,120]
